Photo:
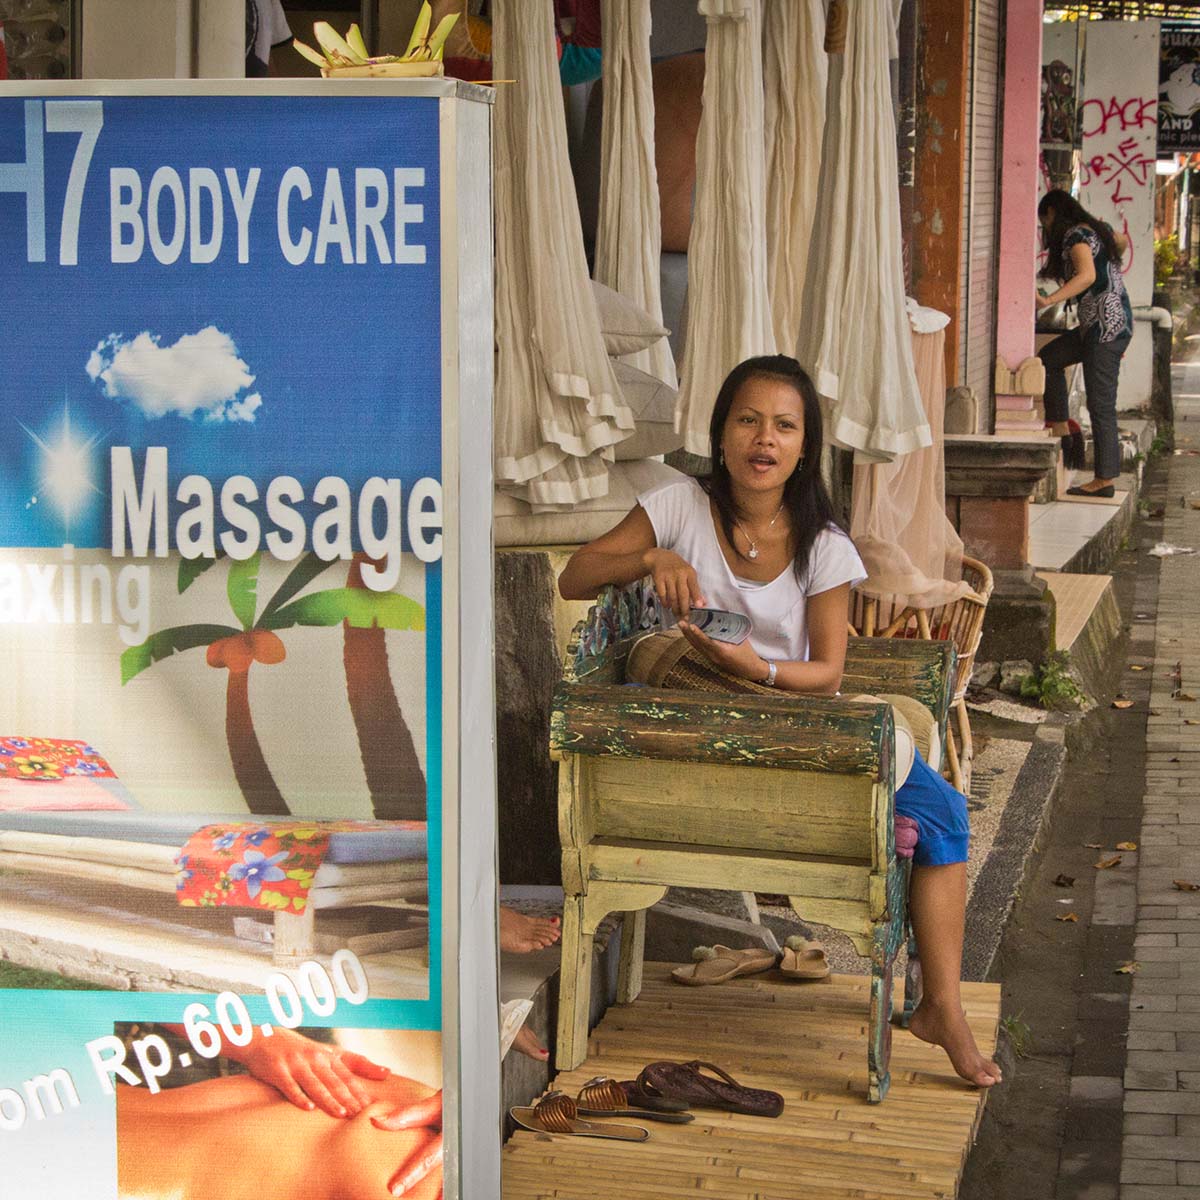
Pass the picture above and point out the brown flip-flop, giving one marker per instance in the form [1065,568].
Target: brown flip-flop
[803,959]
[604,1097]
[716,964]
[556,1112]
[688,1081]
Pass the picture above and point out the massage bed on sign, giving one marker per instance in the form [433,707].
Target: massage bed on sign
[362,864]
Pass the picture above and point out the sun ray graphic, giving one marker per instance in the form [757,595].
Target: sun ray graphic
[65,474]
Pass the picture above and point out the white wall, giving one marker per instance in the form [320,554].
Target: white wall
[163,39]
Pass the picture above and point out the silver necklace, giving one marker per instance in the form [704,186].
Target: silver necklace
[752,552]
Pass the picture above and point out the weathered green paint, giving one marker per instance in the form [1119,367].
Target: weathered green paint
[809,733]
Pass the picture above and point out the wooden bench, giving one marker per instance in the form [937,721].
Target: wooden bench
[134,862]
[784,794]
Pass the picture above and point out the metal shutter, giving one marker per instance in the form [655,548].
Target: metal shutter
[977,278]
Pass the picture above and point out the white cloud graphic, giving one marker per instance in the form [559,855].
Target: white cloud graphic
[199,377]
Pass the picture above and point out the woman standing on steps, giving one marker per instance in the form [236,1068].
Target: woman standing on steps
[1083,255]
[757,536]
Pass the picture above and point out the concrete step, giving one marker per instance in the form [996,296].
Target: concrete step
[1080,535]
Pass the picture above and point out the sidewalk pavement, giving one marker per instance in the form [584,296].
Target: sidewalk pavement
[1160,1157]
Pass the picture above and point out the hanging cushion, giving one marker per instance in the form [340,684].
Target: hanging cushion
[627,327]
[516,525]
[652,403]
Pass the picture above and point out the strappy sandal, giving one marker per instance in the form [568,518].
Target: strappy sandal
[803,959]
[603,1097]
[685,1081]
[716,964]
[637,1095]
[556,1112]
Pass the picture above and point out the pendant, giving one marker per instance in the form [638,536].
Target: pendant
[752,552]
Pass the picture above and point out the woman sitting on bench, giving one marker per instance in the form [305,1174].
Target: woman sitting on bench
[758,536]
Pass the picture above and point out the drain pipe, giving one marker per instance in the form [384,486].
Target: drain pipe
[1160,316]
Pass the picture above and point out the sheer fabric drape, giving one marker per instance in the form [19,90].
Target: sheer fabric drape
[794,80]
[729,310]
[558,405]
[629,229]
[912,552]
[854,334]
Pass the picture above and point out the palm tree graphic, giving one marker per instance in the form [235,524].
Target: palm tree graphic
[236,650]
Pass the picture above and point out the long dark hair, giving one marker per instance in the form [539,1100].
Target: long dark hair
[804,496]
[1068,213]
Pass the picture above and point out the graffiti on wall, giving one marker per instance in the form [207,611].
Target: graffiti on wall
[1118,127]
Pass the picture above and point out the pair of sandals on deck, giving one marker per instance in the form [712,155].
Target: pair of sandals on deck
[800,960]
[663,1091]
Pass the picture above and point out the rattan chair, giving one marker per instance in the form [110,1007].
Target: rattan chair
[960,622]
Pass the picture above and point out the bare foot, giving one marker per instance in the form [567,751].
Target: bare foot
[520,934]
[527,1044]
[948,1028]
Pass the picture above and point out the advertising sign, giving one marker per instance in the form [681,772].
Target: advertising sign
[1179,89]
[229,633]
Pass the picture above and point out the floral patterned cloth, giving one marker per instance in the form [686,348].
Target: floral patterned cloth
[255,865]
[49,760]
[1104,310]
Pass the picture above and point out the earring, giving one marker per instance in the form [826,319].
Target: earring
[721,456]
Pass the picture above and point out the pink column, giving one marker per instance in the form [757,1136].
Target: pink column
[1019,181]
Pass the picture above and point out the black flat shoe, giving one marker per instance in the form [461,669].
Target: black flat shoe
[1104,493]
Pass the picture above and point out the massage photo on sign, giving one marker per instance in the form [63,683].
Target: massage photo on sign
[214,758]
[375,1130]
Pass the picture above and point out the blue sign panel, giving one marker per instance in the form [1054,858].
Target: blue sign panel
[220,633]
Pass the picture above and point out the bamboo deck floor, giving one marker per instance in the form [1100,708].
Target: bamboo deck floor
[806,1041]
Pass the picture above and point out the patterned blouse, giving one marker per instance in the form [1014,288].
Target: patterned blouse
[1104,310]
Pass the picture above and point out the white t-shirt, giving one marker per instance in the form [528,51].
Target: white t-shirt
[683,522]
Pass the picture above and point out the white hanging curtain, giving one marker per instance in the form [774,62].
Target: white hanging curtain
[558,406]
[629,228]
[794,78]
[854,332]
[729,311]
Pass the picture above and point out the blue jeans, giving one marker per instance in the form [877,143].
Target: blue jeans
[1101,369]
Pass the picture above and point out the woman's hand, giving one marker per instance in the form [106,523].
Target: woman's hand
[741,660]
[1041,301]
[310,1074]
[675,582]
[428,1153]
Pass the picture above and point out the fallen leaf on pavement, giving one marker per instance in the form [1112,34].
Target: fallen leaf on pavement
[1128,968]
[1182,885]
[1191,721]
[1185,696]
[1136,667]
[1092,846]
[1156,712]
[1064,881]
[1122,702]
[1105,863]
[1127,845]
[1072,917]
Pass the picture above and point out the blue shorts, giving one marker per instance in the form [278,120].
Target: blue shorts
[941,812]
